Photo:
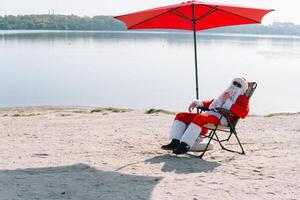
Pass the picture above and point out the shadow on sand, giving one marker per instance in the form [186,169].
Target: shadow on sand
[78,181]
[183,165]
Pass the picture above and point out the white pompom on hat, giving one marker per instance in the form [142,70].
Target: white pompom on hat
[243,82]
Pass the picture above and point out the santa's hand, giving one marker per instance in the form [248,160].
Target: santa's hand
[192,106]
[225,96]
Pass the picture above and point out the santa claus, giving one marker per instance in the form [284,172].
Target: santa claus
[187,126]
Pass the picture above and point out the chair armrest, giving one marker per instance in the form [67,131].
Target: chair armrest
[202,108]
[225,112]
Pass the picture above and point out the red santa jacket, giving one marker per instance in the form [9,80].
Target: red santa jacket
[240,108]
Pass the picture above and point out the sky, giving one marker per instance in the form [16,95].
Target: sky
[285,11]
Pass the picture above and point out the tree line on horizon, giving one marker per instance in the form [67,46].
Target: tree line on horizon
[98,23]
[58,22]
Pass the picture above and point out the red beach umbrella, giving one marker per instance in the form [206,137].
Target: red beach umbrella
[193,16]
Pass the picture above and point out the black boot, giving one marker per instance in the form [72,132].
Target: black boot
[174,143]
[181,149]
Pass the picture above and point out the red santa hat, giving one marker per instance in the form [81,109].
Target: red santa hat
[243,83]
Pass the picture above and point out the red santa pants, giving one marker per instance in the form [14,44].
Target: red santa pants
[198,119]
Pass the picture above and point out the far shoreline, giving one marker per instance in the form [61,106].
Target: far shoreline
[107,109]
[156,32]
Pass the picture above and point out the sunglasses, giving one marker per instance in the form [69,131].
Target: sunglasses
[237,84]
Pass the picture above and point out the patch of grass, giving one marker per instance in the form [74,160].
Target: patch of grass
[153,111]
[253,115]
[24,115]
[32,114]
[111,109]
[281,114]
[65,115]
[80,111]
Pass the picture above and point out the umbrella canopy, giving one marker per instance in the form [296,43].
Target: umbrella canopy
[195,16]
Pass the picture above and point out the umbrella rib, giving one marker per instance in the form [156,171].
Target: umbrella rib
[153,17]
[239,15]
[232,13]
[179,14]
[208,13]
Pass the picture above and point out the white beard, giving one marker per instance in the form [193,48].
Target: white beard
[234,93]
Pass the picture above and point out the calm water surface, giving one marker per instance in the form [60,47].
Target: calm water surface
[143,70]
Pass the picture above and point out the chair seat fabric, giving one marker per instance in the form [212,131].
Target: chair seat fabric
[220,127]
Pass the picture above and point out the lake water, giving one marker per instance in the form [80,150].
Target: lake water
[144,69]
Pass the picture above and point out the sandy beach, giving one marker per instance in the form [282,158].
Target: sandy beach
[71,153]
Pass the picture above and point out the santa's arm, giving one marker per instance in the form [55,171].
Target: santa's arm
[204,104]
[241,109]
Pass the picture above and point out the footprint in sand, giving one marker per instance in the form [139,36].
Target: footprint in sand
[41,155]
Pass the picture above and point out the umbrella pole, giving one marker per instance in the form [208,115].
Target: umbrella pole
[195,50]
[196,64]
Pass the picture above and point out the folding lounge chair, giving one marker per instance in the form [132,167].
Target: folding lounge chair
[231,125]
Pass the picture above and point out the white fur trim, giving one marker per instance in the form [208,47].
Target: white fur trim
[218,115]
[216,103]
[198,103]
[190,135]
[243,82]
[200,144]
[177,130]
[227,105]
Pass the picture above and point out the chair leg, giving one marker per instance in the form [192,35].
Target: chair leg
[243,152]
[226,140]
[229,136]
[220,142]
[211,135]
